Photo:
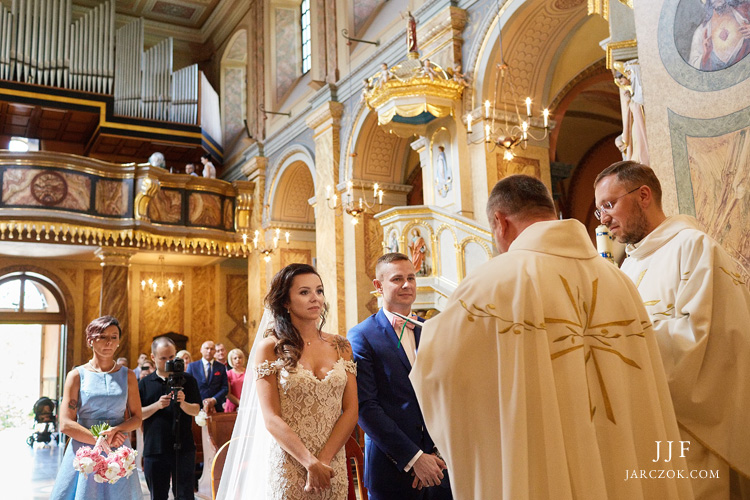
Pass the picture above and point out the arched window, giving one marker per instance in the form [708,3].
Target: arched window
[29,298]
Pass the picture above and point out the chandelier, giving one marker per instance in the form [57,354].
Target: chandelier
[348,205]
[266,251]
[506,128]
[162,286]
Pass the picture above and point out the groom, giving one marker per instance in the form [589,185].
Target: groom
[400,457]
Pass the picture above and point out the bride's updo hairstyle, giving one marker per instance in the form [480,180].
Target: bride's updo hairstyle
[289,346]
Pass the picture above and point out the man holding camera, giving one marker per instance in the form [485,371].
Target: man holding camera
[170,399]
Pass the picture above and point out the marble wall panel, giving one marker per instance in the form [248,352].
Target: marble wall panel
[112,198]
[295,255]
[373,250]
[92,289]
[204,209]
[154,320]
[203,313]
[46,188]
[166,206]
[236,308]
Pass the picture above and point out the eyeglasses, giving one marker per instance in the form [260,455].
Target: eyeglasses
[608,205]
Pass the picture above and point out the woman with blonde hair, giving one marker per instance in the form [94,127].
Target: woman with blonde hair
[236,378]
[185,356]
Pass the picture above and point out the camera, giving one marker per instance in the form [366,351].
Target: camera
[176,381]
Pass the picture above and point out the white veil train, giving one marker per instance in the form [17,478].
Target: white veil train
[246,467]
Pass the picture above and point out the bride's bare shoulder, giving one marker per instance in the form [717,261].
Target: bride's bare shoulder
[342,345]
[266,348]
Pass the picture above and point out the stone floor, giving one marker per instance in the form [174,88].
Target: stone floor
[28,473]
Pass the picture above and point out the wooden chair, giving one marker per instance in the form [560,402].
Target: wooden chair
[354,453]
[218,430]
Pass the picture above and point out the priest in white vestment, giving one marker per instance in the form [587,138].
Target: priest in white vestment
[700,308]
[542,378]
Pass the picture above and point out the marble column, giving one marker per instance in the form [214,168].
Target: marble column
[255,171]
[326,124]
[114,298]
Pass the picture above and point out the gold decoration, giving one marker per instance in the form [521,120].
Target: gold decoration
[625,44]
[147,189]
[592,338]
[410,89]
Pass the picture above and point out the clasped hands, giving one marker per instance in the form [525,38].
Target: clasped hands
[427,471]
[319,476]
[115,437]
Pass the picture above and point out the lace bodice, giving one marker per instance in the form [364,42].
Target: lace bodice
[311,407]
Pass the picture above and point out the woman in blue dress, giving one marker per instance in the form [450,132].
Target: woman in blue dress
[99,391]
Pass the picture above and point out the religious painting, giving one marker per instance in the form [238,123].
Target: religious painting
[418,251]
[518,165]
[712,35]
[228,214]
[721,189]
[46,188]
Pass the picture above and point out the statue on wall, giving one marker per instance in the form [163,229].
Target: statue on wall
[418,250]
[460,77]
[443,173]
[428,70]
[393,243]
[628,79]
[723,37]
[385,75]
[411,32]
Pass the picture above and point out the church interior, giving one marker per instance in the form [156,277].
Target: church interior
[339,131]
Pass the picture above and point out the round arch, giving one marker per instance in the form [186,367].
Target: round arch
[292,184]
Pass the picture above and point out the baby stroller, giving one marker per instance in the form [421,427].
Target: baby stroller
[45,422]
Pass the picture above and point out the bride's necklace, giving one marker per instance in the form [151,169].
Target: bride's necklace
[97,370]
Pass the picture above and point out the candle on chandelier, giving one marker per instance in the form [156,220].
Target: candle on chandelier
[525,127]
[328,192]
[487,108]
[528,106]
[468,123]
[380,196]
[546,117]
[487,133]
[375,189]
[286,236]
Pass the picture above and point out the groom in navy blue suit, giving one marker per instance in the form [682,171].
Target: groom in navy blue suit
[401,462]
[211,377]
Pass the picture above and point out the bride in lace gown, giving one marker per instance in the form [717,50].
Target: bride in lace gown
[307,392]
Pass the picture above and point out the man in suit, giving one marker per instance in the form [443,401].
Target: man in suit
[212,378]
[400,457]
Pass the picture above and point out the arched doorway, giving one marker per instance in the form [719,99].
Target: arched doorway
[32,337]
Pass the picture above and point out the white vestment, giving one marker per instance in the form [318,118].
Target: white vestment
[542,378]
[700,308]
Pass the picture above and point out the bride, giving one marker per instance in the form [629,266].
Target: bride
[306,391]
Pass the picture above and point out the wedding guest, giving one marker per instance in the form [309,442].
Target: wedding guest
[161,406]
[142,358]
[211,377]
[122,362]
[236,377]
[209,171]
[190,169]
[146,369]
[99,391]
[221,356]
[185,356]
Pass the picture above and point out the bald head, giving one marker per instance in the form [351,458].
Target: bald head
[208,349]
[160,342]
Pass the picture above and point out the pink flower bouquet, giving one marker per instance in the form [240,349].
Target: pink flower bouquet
[107,468]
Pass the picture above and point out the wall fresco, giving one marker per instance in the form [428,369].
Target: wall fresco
[112,198]
[166,206]
[46,188]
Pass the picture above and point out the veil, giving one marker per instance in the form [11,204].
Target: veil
[246,468]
